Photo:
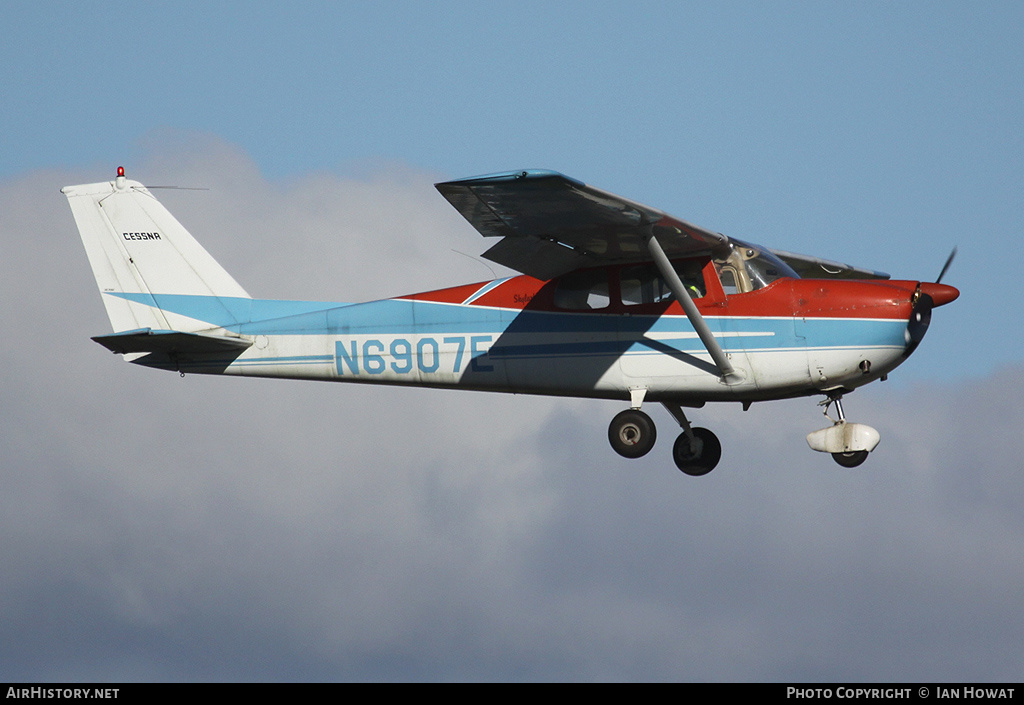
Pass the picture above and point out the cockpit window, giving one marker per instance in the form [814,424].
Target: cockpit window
[750,267]
[727,275]
[764,268]
[644,285]
[582,290]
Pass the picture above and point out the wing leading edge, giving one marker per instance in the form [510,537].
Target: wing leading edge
[550,224]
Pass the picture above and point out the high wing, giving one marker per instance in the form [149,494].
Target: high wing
[816,268]
[550,224]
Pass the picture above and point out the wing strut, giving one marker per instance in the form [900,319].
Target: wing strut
[675,284]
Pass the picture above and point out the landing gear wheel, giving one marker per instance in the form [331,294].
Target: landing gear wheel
[632,433]
[701,456]
[851,459]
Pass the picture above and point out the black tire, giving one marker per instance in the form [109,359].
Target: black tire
[851,459]
[699,460]
[632,433]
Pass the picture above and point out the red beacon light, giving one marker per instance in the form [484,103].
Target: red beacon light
[120,171]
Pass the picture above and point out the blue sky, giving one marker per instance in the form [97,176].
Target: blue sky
[246,529]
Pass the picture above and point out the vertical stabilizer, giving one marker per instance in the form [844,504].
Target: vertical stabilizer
[140,253]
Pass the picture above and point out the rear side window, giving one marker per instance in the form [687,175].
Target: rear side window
[582,291]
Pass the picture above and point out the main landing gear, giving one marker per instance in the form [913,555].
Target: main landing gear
[632,433]
[696,451]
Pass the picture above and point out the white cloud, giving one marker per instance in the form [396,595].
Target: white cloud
[205,528]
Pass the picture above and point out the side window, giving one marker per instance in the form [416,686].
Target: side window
[727,275]
[582,291]
[644,285]
[692,277]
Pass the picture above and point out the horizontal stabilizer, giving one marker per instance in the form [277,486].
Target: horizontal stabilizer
[172,342]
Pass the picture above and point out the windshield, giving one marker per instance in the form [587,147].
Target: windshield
[764,268]
[750,267]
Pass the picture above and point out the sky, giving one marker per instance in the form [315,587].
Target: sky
[160,528]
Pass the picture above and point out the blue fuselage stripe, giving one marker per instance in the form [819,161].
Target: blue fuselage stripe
[515,331]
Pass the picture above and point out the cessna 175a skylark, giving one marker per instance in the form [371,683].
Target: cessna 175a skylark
[616,300]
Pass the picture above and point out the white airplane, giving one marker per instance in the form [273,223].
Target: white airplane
[616,300]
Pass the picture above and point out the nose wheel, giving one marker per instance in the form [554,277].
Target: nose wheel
[851,459]
[847,443]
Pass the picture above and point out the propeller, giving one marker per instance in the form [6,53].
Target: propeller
[945,267]
[925,298]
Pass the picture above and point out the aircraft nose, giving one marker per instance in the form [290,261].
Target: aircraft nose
[941,294]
